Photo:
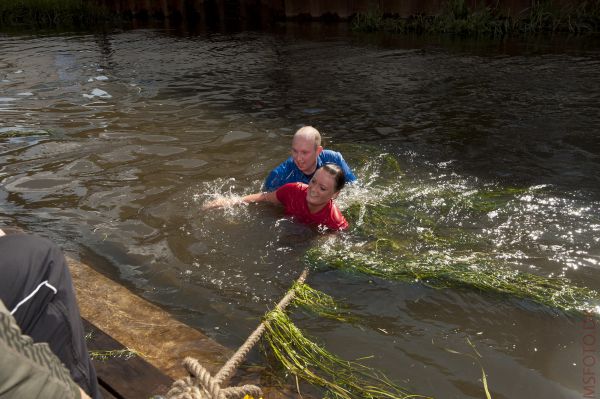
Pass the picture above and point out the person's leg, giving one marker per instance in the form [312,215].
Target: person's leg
[36,287]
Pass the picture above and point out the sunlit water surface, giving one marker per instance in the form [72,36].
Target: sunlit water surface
[110,144]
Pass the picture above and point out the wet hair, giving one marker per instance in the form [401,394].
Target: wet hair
[337,173]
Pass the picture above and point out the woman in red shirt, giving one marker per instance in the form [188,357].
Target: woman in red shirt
[310,203]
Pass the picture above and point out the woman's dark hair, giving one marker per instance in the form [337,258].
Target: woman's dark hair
[337,173]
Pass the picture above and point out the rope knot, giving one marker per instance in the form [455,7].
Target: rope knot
[201,385]
[211,386]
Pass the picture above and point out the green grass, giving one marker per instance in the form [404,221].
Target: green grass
[52,13]
[456,18]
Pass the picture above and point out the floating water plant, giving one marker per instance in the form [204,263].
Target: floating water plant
[300,356]
[106,354]
[469,271]
[319,303]
[311,362]
[476,356]
[11,134]
[431,230]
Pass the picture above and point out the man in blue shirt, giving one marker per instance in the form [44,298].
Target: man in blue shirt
[307,156]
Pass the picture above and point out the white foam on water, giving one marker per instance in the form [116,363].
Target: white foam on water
[224,191]
[99,78]
[98,93]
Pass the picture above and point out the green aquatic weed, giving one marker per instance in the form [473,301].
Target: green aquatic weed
[9,134]
[311,362]
[113,354]
[474,271]
[319,303]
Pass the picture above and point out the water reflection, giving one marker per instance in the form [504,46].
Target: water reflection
[110,144]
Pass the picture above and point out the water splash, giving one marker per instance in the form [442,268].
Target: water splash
[223,189]
[446,230]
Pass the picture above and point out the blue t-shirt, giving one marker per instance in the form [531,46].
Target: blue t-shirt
[288,172]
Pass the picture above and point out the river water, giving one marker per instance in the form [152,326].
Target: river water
[111,143]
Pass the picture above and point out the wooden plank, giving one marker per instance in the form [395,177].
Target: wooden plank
[163,340]
[121,377]
[143,326]
[106,394]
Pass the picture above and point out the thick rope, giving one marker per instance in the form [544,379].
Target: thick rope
[227,370]
[203,386]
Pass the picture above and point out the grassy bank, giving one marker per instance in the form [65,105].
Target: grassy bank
[458,19]
[52,13]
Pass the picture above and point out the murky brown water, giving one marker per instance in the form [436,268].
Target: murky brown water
[116,141]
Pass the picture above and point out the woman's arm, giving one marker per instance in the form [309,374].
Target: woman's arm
[262,197]
[258,197]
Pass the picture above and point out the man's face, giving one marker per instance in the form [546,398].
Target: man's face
[305,154]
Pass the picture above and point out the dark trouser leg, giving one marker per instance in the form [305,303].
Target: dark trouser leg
[35,284]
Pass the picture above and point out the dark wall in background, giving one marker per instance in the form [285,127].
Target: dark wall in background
[290,9]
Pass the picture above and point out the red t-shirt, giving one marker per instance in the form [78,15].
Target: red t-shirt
[293,197]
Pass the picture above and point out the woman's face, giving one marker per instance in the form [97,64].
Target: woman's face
[321,189]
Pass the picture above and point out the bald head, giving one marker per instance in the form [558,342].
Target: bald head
[308,133]
[306,147]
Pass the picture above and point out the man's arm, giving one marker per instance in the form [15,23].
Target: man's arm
[347,171]
[337,158]
[280,175]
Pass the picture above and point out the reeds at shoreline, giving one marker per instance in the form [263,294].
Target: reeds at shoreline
[456,18]
[52,13]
